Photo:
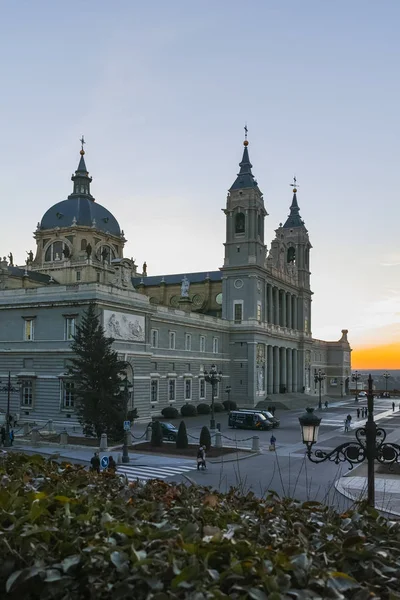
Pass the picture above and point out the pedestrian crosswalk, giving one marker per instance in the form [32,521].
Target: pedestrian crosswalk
[145,473]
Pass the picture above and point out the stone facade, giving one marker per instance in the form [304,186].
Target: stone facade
[252,318]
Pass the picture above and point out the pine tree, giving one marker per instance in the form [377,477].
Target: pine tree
[96,371]
[182,438]
[205,438]
[156,434]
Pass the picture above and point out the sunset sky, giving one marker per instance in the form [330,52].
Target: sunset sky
[161,90]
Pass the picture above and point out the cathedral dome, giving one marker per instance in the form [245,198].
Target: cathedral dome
[80,210]
[80,207]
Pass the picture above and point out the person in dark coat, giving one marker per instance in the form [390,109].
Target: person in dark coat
[95,462]
[393,405]
[273,409]
[358,413]
[11,437]
[112,465]
[3,435]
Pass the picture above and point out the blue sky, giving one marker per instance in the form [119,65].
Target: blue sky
[161,91]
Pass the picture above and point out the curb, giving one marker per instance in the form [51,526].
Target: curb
[250,455]
[347,494]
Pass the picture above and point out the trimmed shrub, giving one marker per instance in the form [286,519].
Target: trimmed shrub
[230,405]
[170,412]
[188,410]
[264,404]
[156,434]
[205,438]
[218,407]
[182,438]
[203,409]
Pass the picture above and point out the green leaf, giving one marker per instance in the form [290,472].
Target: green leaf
[70,561]
[257,594]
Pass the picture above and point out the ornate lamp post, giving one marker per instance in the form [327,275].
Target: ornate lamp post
[213,377]
[9,389]
[356,378]
[228,390]
[369,444]
[386,376]
[319,378]
[126,389]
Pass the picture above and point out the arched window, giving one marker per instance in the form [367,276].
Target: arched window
[105,254]
[291,255]
[307,257]
[240,220]
[260,226]
[83,244]
[54,251]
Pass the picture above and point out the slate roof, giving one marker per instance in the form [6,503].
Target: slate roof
[34,275]
[177,278]
[245,178]
[294,219]
[84,210]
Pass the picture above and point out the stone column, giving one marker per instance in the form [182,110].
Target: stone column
[289,311]
[276,370]
[294,372]
[294,311]
[276,306]
[270,304]
[283,381]
[284,312]
[289,353]
[270,370]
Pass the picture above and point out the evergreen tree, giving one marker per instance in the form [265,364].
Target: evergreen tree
[205,438]
[96,371]
[182,438]
[156,434]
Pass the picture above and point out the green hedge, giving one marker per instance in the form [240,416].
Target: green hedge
[218,407]
[230,405]
[188,410]
[66,534]
[182,438]
[170,412]
[203,409]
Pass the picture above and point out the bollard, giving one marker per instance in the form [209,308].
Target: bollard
[218,440]
[26,428]
[103,442]
[255,446]
[148,434]
[64,438]
[35,437]
[51,426]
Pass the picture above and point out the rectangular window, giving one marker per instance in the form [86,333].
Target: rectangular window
[69,328]
[188,389]
[215,345]
[154,390]
[68,394]
[259,312]
[172,339]
[202,343]
[27,392]
[154,338]
[98,277]
[216,390]
[202,388]
[188,341]
[238,312]
[29,329]
[171,390]
[78,275]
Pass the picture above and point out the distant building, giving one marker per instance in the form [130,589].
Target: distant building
[251,318]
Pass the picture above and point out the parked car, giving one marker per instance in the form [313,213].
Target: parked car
[243,419]
[268,415]
[170,432]
[362,394]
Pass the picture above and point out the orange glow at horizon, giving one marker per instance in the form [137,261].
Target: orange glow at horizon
[378,357]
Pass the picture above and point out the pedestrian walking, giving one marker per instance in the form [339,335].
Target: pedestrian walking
[273,409]
[112,465]
[349,418]
[95,463]
[201,458]
[346,424]
[358,413]
[269,409]
[11,437]
[393,406]
[3,435]
[272,442]
[326,403]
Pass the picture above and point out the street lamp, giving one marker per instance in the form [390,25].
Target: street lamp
[369,444]
[341,388]
[319,378]
[213,377]
[126,389]
[9,389]
[386,376]
[356,378]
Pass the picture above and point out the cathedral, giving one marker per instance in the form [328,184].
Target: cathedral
[251,318]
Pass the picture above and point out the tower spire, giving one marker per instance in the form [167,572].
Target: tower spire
[81,178]
[294,219]
[245,177]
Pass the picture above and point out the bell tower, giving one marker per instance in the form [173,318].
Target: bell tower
[245,250]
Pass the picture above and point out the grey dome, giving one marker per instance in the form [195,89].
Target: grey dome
[86,212]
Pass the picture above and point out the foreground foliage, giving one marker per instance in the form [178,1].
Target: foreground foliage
[68,534]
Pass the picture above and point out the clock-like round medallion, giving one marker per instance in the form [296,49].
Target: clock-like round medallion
[238,283]
[218,298]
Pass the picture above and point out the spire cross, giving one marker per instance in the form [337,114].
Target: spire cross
[82,141]
[294,184]
[245,132]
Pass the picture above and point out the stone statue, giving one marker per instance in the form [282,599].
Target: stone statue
[66,252]
[88,250]
[30,256]
[145,269]
[185,287]
[11,259]
[104,254]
